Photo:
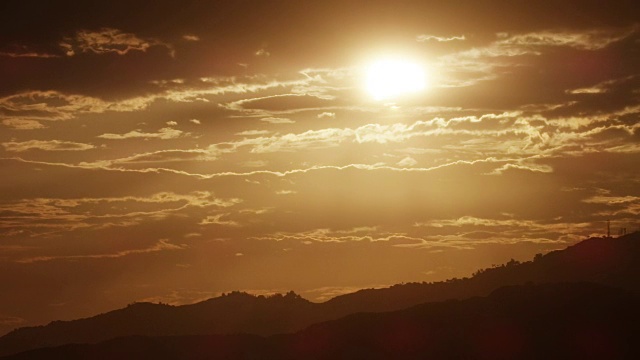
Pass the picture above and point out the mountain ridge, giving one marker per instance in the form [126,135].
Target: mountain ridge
[609,261]
[562,320]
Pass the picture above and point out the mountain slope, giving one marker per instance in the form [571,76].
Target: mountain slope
[567,320]
[233,313]
[609,261]
[563,321]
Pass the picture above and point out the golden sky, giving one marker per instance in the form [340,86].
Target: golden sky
[174,150]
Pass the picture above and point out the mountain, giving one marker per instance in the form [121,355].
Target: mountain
[233,313]
[550,321]
[608,261]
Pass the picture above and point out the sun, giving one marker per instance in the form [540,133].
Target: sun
[390,78]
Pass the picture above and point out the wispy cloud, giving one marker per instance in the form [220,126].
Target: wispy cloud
[11,320]
[191,37]
[161,245]
[108,40]
[325,235]
[327,114]
[162,134]
[407,162]
[34,106]
[44,216]
[46,145]
[25,53]
[425,37]
[253,132]
[602,87]
[218,219]
[277,120]
[23,124]
[161,156]
[583,40]
[328,292]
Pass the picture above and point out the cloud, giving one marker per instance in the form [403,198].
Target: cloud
[195,121]
[46,145]
[108,40]
[328,292]
[488,134]
[507,230]
[63,208]
[494,60]
[327,114]
[42,216]
[111,165]
[626,148]
[161,156]
[191,37]
[324,235]
[215,86]
[589,90]
[217,220]
[407,162]
[612,200]
[171,123]
[253,132]
[582,40]
[533,43]
[424,37]
[628,205]
[469,125]
[279,102]
[602,87]
[11,320]
[262,52]
[472,240]
[541,168]
[311,139]
[161,245]
[23,124]
[28,54]
[163,134]
[29,107]
[277,120]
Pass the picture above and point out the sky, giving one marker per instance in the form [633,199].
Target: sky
[175,150]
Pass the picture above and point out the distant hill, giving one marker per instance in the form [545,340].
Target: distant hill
[608,261]
[229,314]
[551,321]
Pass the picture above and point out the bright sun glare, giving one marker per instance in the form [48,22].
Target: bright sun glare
[390,78]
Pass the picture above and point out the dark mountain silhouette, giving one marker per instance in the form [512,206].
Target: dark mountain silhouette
[608,261]
[551,321]
[229,314]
